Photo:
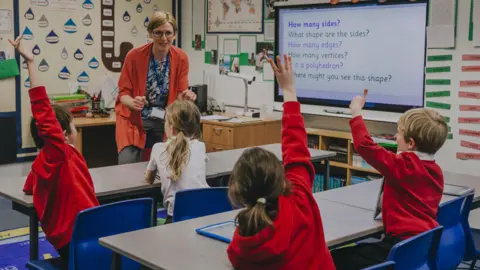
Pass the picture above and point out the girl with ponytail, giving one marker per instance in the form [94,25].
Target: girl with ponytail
[280,226]
[180,163]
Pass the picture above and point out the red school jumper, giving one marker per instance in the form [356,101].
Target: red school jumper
[59,181]
[296,240]
[413,185]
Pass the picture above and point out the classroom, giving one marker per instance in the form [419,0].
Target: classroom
[242,134]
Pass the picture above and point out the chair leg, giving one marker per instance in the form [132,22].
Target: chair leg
[472,265]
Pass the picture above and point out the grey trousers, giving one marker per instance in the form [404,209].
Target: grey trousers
[155,128]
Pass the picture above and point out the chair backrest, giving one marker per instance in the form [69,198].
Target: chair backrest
[470,248]
[453,240]
[417,252]
[105,220]
[194,203]
[383,266]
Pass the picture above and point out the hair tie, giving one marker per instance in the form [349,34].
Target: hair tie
[262,201]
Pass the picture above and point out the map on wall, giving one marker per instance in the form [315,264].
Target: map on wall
[234,16]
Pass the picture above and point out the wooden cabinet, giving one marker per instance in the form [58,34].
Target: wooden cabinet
[219,136]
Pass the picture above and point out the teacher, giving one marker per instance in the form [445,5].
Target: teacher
[153,76]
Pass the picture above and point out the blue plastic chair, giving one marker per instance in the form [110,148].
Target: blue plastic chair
[94,223]
[453,241]
[194,203]
[417,252]
[382,266]
[472,236]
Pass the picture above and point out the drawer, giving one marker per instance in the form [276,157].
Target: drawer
[220,135]
[216,148]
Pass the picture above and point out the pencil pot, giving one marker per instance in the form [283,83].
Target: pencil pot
[98,105]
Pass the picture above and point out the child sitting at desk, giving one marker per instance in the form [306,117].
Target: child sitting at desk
[413,181]
[59,181]
[180,163]
[280,227]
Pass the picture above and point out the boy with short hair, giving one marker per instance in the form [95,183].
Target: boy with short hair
[413,182]
[59,181]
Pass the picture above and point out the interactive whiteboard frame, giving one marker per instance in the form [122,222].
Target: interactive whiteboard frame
[373,111]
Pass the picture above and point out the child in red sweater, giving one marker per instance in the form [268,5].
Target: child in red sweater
[59,181]
[280,227]
[413,184]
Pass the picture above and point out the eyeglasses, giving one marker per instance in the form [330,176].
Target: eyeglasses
[159,34]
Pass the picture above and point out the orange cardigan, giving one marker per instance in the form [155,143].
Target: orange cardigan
[132,82]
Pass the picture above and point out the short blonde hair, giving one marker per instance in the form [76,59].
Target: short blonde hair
[160,18]
[426,127]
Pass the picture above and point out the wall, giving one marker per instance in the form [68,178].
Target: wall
[223,89]
[52,53]
[7,86]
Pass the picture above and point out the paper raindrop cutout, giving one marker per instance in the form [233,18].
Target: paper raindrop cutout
[29,14]
[134,31]
[27,34]
[147,1]
[147,20]
[93,63]
[88,40]
[24,64]
[43,22]
[139,8]
[156,8]
[64,54]
[87,4]
[83,77]
[126,17]
[64,74]
[70,26]
[41,2]
[36,50]
[27,82]
[52,37]
[43,66]
[87,20]
[78,54]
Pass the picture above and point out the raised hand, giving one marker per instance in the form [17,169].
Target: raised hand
[285,77]
[357,103]
[28,56]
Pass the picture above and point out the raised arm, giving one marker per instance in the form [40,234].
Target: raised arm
[387,163]
[296,157]
[47,124]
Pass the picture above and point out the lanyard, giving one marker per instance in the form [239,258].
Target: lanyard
[164,71]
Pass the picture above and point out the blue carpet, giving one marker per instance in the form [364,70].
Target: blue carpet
[14,252]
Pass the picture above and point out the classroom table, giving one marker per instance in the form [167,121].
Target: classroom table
[362,195]
[126,181]
[178,246]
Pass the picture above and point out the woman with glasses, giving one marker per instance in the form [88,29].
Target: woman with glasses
[153,76]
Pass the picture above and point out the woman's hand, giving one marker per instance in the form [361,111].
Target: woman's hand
[134,104]
[187,95]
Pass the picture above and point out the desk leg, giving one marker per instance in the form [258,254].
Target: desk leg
[326,175]
[33,236]
[79,140]
[116,261]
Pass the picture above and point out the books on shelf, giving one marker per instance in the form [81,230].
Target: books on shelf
[77,104]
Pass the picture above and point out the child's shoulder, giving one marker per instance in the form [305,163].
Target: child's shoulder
[159,146]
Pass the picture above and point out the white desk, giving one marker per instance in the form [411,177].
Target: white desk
[178,246]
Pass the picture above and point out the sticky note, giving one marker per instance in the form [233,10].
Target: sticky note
[469,120]
[438,105]
[447,119]
[469,83]
[445,93]
[450,136]
[470,108]
[467,132]
[470,68]
[467,156]
[438,82]
[471,57]
[433,58]
[471,145]
[437,69]
[449,129]
[465,94]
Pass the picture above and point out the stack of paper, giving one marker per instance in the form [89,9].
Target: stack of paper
[441,29]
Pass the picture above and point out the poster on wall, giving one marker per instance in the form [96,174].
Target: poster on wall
[6,20]
[63,5]
[240,16]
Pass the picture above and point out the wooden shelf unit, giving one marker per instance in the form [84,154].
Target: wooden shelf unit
[344,139]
